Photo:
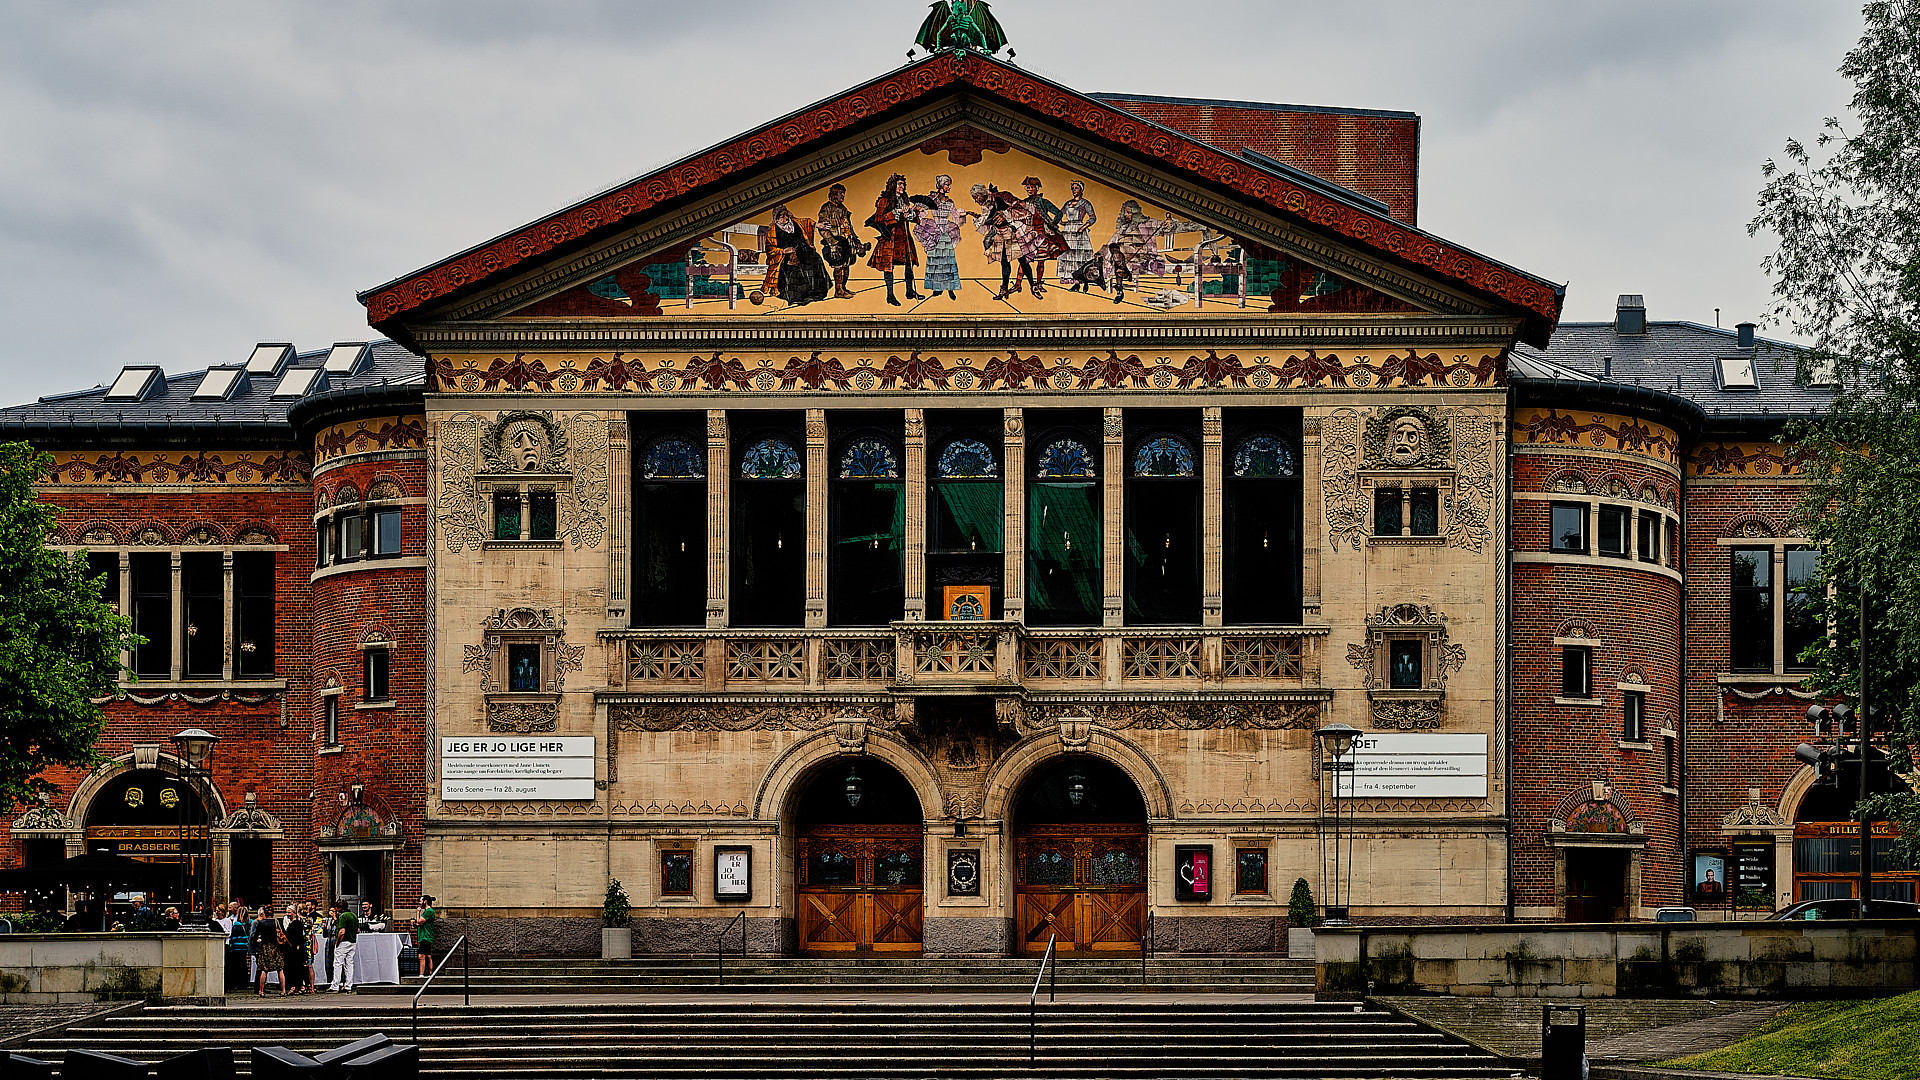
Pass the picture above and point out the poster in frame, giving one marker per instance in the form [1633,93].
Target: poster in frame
[1707,883]
[732,873]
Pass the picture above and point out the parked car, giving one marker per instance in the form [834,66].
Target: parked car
[1847,909]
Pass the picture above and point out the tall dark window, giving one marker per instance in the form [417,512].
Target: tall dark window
[373,681]
[1803,627]
[1064,568]
[966,508]
[1633,716]
[1671,760]
[670,531]
[105,565]
[331,720]
[523,668]
[204,583]
[1752,610]
[253,589]
[506,515]
[1424,512]
[351,530]
[1163,526]
[152,574]
[866,524]
[1613,531]
[542,515]
[323,542]
[1403,665]
[1569,523]
[386,533]
[1576,671]
[1262,549]
[769,533]
[1649,537]
[1386,511]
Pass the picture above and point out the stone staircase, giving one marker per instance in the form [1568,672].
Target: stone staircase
[902,975]
[720,1039]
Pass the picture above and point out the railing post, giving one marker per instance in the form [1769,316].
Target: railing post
[466,972]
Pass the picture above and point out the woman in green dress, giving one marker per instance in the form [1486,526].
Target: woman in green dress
[424,934]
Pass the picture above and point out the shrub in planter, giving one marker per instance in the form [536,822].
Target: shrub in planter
[1300,907]
[617,909]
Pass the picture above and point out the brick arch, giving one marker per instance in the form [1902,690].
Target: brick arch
[321,500]
[793,770]
[203,532]
[385,486]
[1615,485]
[152,533]
[1570,481]
[1012,770]
[346,493]
[1580,797]
[95,532]
[1757,526]
[255,532]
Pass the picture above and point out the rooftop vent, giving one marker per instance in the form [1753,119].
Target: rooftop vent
[137,384]
[299,382]
[346,358]
[269,357]
[221,383]
[1736,373]
[1630,314]
[1743,334]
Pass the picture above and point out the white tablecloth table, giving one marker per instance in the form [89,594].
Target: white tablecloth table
[376,957]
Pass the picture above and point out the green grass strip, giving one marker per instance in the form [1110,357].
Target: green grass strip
[1873,1039]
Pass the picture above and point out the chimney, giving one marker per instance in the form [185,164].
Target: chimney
[1630,314]
[1745,332]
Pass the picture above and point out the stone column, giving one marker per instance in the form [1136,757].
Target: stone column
[1013,483]
[1312,517]
[719,503]
[619,517]
[227,614]
[177,624]
[816,515]
[1213,516]
[126,608]
[1113,525]
[914,488]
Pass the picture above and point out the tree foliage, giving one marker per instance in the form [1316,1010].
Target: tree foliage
[1846,275]
[60,642]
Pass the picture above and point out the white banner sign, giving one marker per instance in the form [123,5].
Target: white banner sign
[1419,766]
[495,768]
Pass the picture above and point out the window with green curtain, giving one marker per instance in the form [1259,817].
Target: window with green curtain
[1064,581]
[970,515]
[865,576]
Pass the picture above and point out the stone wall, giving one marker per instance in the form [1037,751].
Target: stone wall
[65,969]
[1574,960]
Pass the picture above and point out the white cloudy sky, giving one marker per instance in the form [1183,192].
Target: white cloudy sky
[179,180]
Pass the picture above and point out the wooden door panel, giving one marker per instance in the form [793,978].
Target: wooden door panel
[894,921]
[1085,883]
[1043,914]
[1115,920]
[830,922]
[860,889]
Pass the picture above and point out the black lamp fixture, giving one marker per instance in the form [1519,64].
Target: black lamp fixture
[1076,788]
[1337,740]
[855,786]
[195,747]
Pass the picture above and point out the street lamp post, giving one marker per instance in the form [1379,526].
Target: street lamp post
[194,747]
[1338,740]
[1863,728]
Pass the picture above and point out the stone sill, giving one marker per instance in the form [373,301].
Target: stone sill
[330,748]
[385,704]
[1578,701]
[1634,744]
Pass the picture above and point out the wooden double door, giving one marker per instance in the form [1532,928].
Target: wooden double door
[1085,886]
[860,888]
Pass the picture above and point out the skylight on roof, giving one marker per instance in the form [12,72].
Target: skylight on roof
[345,357]
[218,384]
[1736,373]
[297,382]
[133,383]
[269,357]
[1823,371]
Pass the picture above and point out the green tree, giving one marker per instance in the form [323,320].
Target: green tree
[1846,276]
[59,642]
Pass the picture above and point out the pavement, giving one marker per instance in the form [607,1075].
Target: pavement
[18,1023]
[404,1003]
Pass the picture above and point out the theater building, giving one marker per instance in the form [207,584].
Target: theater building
[937,523]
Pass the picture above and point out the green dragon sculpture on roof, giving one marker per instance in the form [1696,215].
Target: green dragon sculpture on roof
[961,24]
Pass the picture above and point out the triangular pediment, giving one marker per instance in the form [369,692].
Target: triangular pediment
[1160,227]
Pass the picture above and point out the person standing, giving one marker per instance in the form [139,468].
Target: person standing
[839,243]
[1076,228]
[938,230]
[268,951]
[296,979]
[423,935]
[893,217]
[369,921]
[239,946]
[346,930]
[1046,222]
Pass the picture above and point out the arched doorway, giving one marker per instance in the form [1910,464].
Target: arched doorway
[1080,858]
[145,814]
[859,857]
[1826,839]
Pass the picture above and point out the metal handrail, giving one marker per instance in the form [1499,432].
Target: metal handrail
[1146,948]
[720,946]
[466,964]
[1033,1010]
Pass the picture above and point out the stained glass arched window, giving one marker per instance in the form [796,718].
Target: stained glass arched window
[673,459]
[869,459]
[770,459]
[1065,459]
[1163,457]
[968,459]
[1264,456]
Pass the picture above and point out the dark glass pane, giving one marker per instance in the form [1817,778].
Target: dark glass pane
[897,870]
[1251,875]
[1633,710]
[1049,867]
[523,669]
[1613,531]
[1116,866]
[351,529]
[1163,457]
[1752,610]
[203,582]
[968,515]
[1064,579]
[375,682]
[1262,556]
[323,543]
[670,554]
[1403,665]
[1570,528]
[506,515]
[253,589]
[1649,538]
[676,872]
[105,566]
[1803,625]
[769,554]
[1163,551]
[332,711]
[542,514]
[1386,512]
[864,579]
[386,534]
[152,574]
[1264,456]
[1827,855]
[1575,676]
[830,868]
[1425,512]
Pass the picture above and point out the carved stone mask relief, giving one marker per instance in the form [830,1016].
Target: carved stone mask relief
[528,444]
[1408,444]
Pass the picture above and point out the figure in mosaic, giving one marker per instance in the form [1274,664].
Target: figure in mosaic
[893,217]
[961,24]
[1046,219]
[1134,251]
[840,245]
[795,271]
[1075,222]
[1011,235]
[938,229]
